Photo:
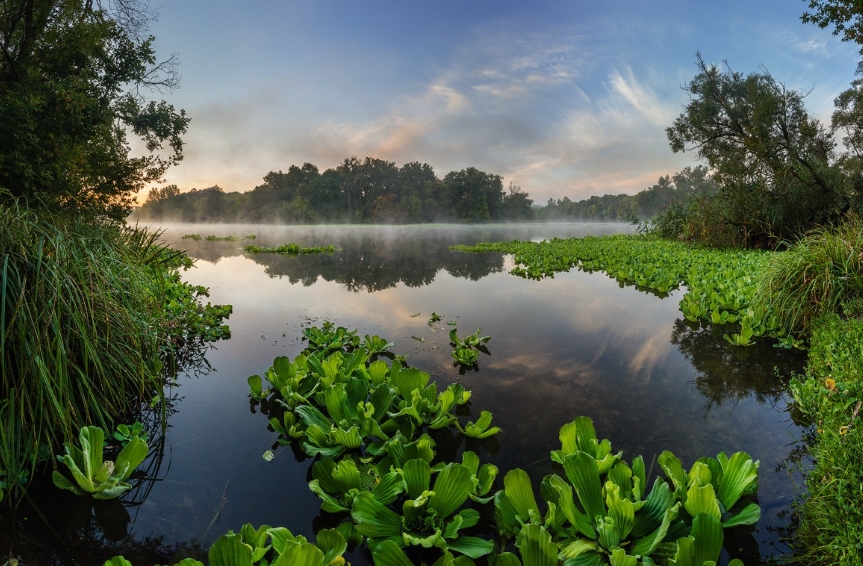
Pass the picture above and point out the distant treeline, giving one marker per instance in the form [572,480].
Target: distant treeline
[377,191]
[644,205]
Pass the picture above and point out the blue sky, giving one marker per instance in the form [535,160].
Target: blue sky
[564,98]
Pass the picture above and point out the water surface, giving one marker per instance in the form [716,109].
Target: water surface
[576,344]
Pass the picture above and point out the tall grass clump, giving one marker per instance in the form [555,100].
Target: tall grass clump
[815,276]
[80,322]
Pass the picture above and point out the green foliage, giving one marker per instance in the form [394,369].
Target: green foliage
[86,309]
[71,84]
[430,513]
[357,191]
[815,276]
[669,193]
[770,159]
[103,479]
[290,249]
[720,284]
[125,433]
[829,396]
[601,512]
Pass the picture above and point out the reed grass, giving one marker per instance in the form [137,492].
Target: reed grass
[79,329]
[815,276]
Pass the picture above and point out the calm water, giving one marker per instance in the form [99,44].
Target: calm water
[577,344]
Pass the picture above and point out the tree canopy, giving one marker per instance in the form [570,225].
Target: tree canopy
[356,191]
[73,74]
[772,161]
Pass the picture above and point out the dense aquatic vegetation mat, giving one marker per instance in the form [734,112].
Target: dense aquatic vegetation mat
[290,249]
[721,284]
[212,238]
[830,396]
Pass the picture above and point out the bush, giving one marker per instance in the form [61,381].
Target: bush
[814,276]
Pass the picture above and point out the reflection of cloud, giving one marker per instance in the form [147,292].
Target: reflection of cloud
[652,351]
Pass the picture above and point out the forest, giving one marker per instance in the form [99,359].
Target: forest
[377,191]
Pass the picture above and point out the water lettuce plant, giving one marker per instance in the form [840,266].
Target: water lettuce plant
[602,512]
[268,546]
[93,475]
[720,284]
[431,513]
[290,249]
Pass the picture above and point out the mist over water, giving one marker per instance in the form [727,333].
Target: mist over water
[576,344]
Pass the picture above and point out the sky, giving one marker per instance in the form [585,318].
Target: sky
[562,98]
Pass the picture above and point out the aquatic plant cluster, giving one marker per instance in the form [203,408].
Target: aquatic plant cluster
[212,238]
[721,284]
[368,421]
[290,249]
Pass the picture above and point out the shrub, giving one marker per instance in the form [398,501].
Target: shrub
[815,276]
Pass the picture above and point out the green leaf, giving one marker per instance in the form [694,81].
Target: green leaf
[702,500]
[708,536]
[647,545]
[740,474]
[452,487]
[332,544]
[474,547]
[516,485]
[749,515]
[506,559]
[131,456]
[652,514]
[373,519]
[300,554]
[417,476]
[536,546]
[389,487]
[117,561]
[63,483]
[583,474]
[566,504]
[92,439]
[620,558]
[230,550]
[389,553]
[620,509]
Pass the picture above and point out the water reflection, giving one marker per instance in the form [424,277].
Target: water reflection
[728,374]
[577,344]
[372,259]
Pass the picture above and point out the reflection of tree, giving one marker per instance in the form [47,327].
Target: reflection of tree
[732,373]
[370,261]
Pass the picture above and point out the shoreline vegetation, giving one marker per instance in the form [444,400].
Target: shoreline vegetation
[95,318]
[812,293]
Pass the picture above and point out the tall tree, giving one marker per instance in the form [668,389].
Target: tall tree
[771,160]
[72,79]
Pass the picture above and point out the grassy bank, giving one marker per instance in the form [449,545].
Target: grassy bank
[830,394]
[87,310]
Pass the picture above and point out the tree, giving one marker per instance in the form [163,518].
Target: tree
[846,17]
[475,195]
[516,204]
[770,159]
[72,77]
